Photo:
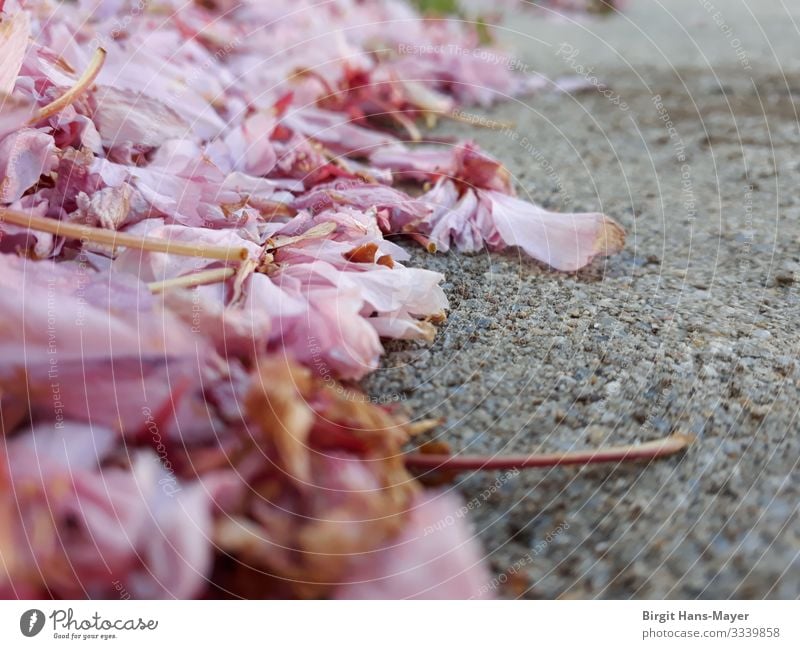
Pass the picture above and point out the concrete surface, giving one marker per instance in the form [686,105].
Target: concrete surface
[691,328]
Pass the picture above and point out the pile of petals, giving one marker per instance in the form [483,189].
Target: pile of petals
[200,205]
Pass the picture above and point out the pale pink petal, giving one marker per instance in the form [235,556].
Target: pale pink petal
[14,113]
[24,157]
[14,34]
[434,557]
[452,217]
[123,116]
[565,241]
[403,210]
[65,312]
[335,130]
[67,445]
[401,326]
[464,162]
[247,147]
[108,208]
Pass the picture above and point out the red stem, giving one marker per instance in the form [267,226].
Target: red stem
[647,451]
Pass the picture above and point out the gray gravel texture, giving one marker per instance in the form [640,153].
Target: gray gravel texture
[692,328]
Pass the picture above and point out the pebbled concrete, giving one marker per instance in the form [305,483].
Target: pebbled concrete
[691,328]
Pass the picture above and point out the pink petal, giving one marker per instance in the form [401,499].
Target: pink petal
[95,316]
[24,157]
[335,131]
[122,116]
[434,557]
[14,33]
[14,113]
[565,241]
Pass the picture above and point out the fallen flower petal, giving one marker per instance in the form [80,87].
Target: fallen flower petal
[25,155]
[566,241]
[14,34]
[432,558]
[123,117]
[14,113]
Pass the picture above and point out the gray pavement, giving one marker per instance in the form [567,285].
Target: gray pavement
[692,328]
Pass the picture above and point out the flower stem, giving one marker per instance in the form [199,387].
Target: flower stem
[422,240]
[112,238]
[81,85]
[491,124]
[647,451]
[211,276]
[423,426]
[316,232]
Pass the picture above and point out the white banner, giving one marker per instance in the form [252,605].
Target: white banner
[371,624]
